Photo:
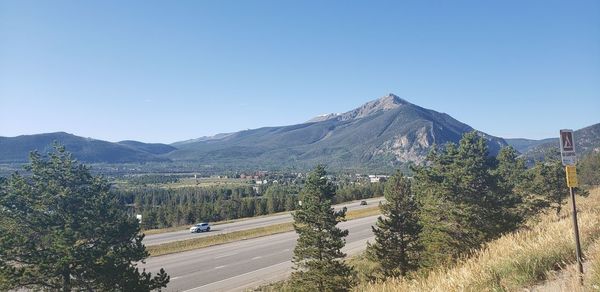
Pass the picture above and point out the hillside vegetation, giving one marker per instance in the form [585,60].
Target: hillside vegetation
[516,260]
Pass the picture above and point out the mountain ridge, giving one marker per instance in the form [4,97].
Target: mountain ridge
[385,133]
[16,149]
[587,140]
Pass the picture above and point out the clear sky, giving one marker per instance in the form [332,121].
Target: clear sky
[164,71]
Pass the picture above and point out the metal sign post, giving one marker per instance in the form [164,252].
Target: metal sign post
[569,159]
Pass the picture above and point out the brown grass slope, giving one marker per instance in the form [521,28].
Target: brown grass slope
[519,259]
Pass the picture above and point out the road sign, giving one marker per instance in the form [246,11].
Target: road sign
[567,148]
[571,176]
[569,159]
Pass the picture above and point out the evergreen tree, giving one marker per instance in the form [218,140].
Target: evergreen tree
[442,235]
[510,171]
[588,169]
[549,184]
[509,193]
[62,229]
[460,207]
[396,245]
[318,259]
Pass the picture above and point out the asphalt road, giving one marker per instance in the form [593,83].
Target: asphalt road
[243,224]
[245,264]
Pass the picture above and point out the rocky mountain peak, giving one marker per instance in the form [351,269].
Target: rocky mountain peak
[323,117]
[387,102]
[391,100]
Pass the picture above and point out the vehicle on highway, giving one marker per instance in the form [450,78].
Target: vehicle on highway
[362,203]
[200,227]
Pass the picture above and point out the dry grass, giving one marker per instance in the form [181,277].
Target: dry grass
[513,261]
[196,243]
[593,274]
[366,212]
[593,256]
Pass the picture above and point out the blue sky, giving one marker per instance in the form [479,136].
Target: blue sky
[164,71]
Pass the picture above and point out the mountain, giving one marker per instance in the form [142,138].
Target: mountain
[587,140]
[383,133]
[16,149]
[321,118]
[523,145]
[201,139]
[153,148]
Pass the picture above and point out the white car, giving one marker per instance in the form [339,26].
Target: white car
[200,227]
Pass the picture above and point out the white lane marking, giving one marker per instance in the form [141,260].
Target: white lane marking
[225,255]
[287,249]
[257,257]
[175,278]
[229,279]
[219,267]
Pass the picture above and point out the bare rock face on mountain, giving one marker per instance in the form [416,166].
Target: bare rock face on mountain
[409,147]
[383,133]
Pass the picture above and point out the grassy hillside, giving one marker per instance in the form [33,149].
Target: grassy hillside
[518,259]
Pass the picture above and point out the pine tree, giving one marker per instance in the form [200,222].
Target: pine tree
[441,235]
[396,245]
[460,206]
[550,184]
[588,169]
[318,259]
[510,171]
[509,193]
[62,229]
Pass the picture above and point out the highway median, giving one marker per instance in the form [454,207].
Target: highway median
[202,242]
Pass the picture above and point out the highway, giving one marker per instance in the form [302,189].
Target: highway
[245,264]
[243,224]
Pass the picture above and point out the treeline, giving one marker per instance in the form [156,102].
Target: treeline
[152,179]
[460,199]
[164,207]
[355,191]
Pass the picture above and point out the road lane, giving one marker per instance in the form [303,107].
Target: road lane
[244,264]
[244,224]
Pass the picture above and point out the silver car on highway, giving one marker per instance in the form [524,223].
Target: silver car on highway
[200,227]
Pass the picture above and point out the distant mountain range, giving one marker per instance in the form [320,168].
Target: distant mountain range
[382,134]
[524,145]
[587,140]
[16,149]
